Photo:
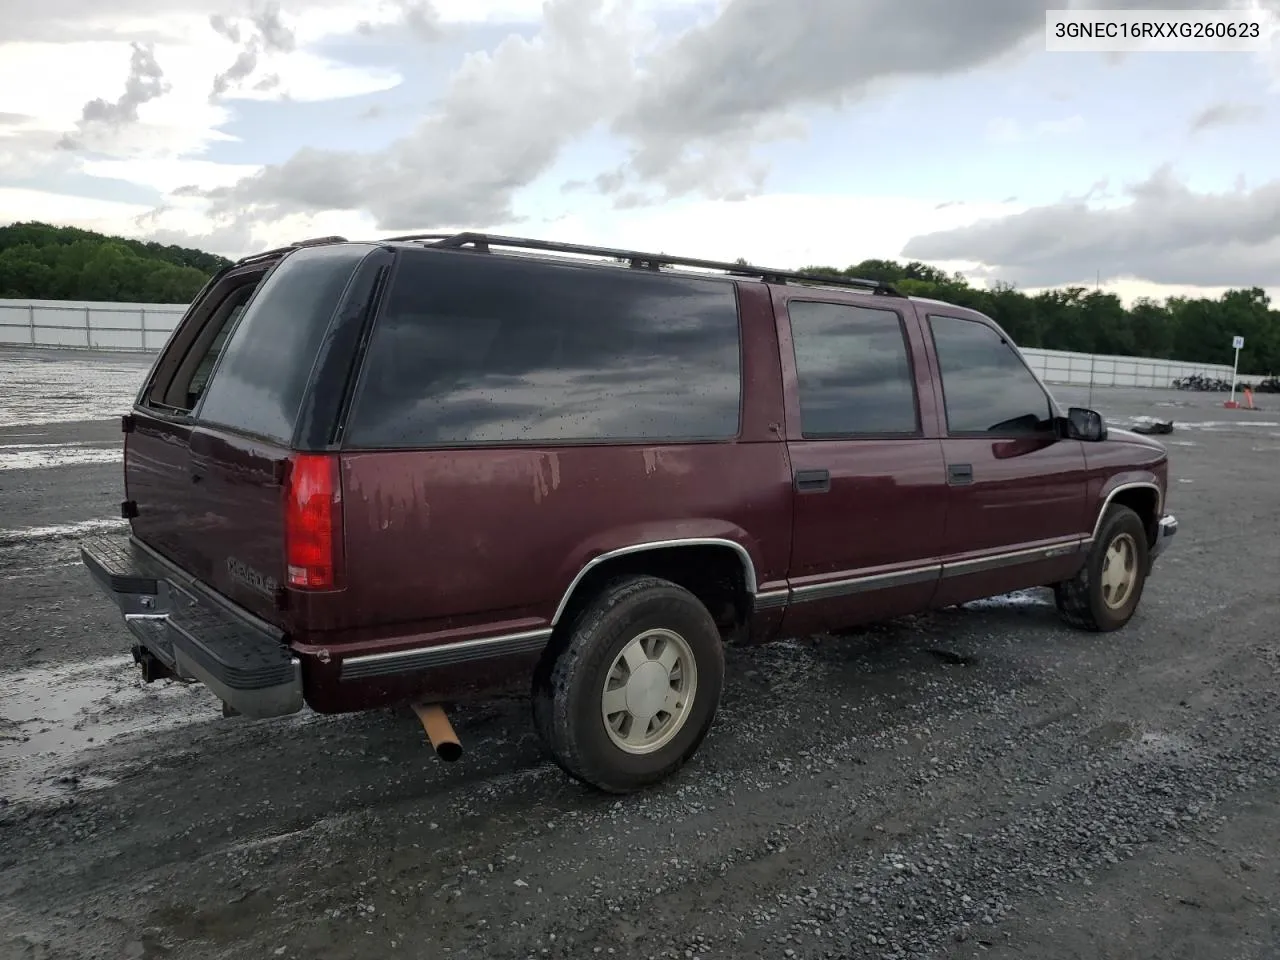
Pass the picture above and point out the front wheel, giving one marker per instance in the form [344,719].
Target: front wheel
[629,693]
[1104,595]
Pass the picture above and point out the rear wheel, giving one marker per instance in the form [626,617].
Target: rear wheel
[628,694]
[1105,593]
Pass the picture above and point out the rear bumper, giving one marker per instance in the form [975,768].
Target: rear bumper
[1168,530]
[194,632]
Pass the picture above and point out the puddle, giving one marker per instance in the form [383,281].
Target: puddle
[1110,733]
[951,657]
[60,531]
[1225,424]
[41,456]
[31,573]
[50,717]
[85,389]
[1157,745]
[1035,597]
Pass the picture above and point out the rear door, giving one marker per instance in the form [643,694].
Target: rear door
[869,490]
[216,505]
[1016,486]
[158,439]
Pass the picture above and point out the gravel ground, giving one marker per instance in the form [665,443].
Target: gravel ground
[976,782]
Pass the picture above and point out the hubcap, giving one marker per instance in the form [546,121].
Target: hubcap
[1119,571]
[648,691]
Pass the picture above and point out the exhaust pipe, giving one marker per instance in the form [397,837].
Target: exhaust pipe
[439,731]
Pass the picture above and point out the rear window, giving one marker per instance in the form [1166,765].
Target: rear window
[261,375]
[476,348]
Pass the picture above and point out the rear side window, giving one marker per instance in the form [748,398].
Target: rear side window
[261,375]
[986,386]
[477,348]
[200,379]
[853,372]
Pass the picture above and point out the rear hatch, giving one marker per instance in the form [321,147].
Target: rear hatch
[209,467]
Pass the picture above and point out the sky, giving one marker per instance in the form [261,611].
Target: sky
[788,132]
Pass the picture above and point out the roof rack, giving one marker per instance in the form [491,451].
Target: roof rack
[482,242]
[278,251]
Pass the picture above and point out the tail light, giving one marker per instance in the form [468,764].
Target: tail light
[313,522]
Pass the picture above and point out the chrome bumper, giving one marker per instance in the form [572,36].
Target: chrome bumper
[1168,529]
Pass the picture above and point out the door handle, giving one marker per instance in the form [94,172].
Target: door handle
[813,481]
[960,473]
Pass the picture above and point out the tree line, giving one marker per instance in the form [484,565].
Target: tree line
[42,261]
[39,261]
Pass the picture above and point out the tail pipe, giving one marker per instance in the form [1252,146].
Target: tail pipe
[439,731]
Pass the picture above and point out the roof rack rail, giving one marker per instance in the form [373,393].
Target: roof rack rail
[482,242]
[417,236]
[278,251]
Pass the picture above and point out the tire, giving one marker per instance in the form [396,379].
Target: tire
[672,627]
[1085,601]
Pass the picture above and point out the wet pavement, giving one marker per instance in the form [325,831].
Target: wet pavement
[976,782]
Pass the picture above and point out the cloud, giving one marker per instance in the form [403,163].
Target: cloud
[169,175]
[161,20]
[227,239]
[275,35]
[1005,130]
[224,27]
[737,82]
[89,213]
[145,83]
[1224,115]
[262,32]
[178,120]
[420,16]
[27,154]
[694,115]
[500,124]
[1165,234]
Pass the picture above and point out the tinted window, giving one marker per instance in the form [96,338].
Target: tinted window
[200,379]
[483,348]
[988,388]
[853,370]
[258,385]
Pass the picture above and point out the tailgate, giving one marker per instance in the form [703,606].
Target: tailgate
[212,503]
[237,528]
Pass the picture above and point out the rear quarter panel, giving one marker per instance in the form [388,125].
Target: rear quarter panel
[453,538]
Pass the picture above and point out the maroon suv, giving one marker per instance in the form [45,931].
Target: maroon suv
[433,470]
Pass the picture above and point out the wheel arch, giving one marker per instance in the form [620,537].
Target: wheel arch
[720,572]
[1143,496]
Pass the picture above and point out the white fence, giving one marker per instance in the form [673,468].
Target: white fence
[1088,369]
[146,326]
[97,326]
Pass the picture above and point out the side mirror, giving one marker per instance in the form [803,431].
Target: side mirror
[1084,424]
